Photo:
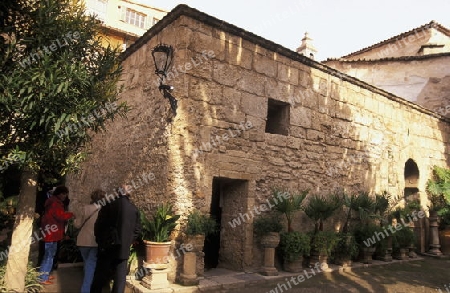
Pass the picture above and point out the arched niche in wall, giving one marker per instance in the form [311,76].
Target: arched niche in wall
[411,180]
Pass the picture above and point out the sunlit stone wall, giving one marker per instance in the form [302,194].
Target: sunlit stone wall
[341,133]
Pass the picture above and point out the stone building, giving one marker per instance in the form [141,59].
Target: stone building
[253,115]
[413,65]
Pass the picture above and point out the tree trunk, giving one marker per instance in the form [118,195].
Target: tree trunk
[16,267]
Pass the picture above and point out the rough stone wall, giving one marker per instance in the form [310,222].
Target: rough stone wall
[341,134]
[425,82]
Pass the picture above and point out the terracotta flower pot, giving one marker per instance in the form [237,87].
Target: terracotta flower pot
[157,252]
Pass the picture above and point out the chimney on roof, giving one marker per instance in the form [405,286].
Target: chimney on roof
[306,48]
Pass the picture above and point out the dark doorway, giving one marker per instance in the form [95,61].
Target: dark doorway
[212,242]
[228,205]
[411,180]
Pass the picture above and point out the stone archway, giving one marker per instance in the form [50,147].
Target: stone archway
[412,193]
[411,190]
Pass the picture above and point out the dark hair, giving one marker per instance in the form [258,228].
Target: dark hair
[60,190]
[97,195]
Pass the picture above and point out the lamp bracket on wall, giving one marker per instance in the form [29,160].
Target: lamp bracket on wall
[162,57]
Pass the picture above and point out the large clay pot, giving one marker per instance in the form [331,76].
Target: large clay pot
[367,254]
[157,252]
[295,266]
[402,255]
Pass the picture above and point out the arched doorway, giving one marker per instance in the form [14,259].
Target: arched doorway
[411,180]
[412,193]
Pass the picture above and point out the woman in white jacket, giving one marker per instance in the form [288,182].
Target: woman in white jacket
[86,239]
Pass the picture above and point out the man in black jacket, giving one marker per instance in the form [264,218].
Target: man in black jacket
[117,227]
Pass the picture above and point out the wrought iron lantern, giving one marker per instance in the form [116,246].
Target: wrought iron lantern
[163,57]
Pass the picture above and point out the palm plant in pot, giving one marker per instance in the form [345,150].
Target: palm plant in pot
[319,209]
[156,233]
[290,206]
[382,213]
[367,225]
[293,246]
[345,250]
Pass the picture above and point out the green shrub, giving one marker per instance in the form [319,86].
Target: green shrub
[403,238]
[293,245]
[346,246]
[444,217]
[324,242]
[365,232]
[265,225]
[200,224]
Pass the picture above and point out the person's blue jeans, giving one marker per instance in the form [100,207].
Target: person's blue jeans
[89,255]
[47,261]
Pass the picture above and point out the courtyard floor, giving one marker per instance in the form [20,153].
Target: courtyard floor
[421,275]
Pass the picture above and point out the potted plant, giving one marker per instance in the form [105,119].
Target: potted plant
[267,224]
[382,210]
[198,227]
[156,233]
[438,188]
[383,247]
[268,229]
[290,206]
[444,228]
[293,246]
[365,237]
[320,208]
[322,244]
[402,240]
[345,250]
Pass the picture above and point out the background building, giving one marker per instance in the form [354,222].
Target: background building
[124,21]
[414,65]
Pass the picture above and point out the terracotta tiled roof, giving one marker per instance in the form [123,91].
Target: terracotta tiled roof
[184,10]
[432,24]
[401,58]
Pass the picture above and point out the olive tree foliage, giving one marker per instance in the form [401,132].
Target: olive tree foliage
[58,85]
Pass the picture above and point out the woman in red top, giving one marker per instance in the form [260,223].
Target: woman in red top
[52,225]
